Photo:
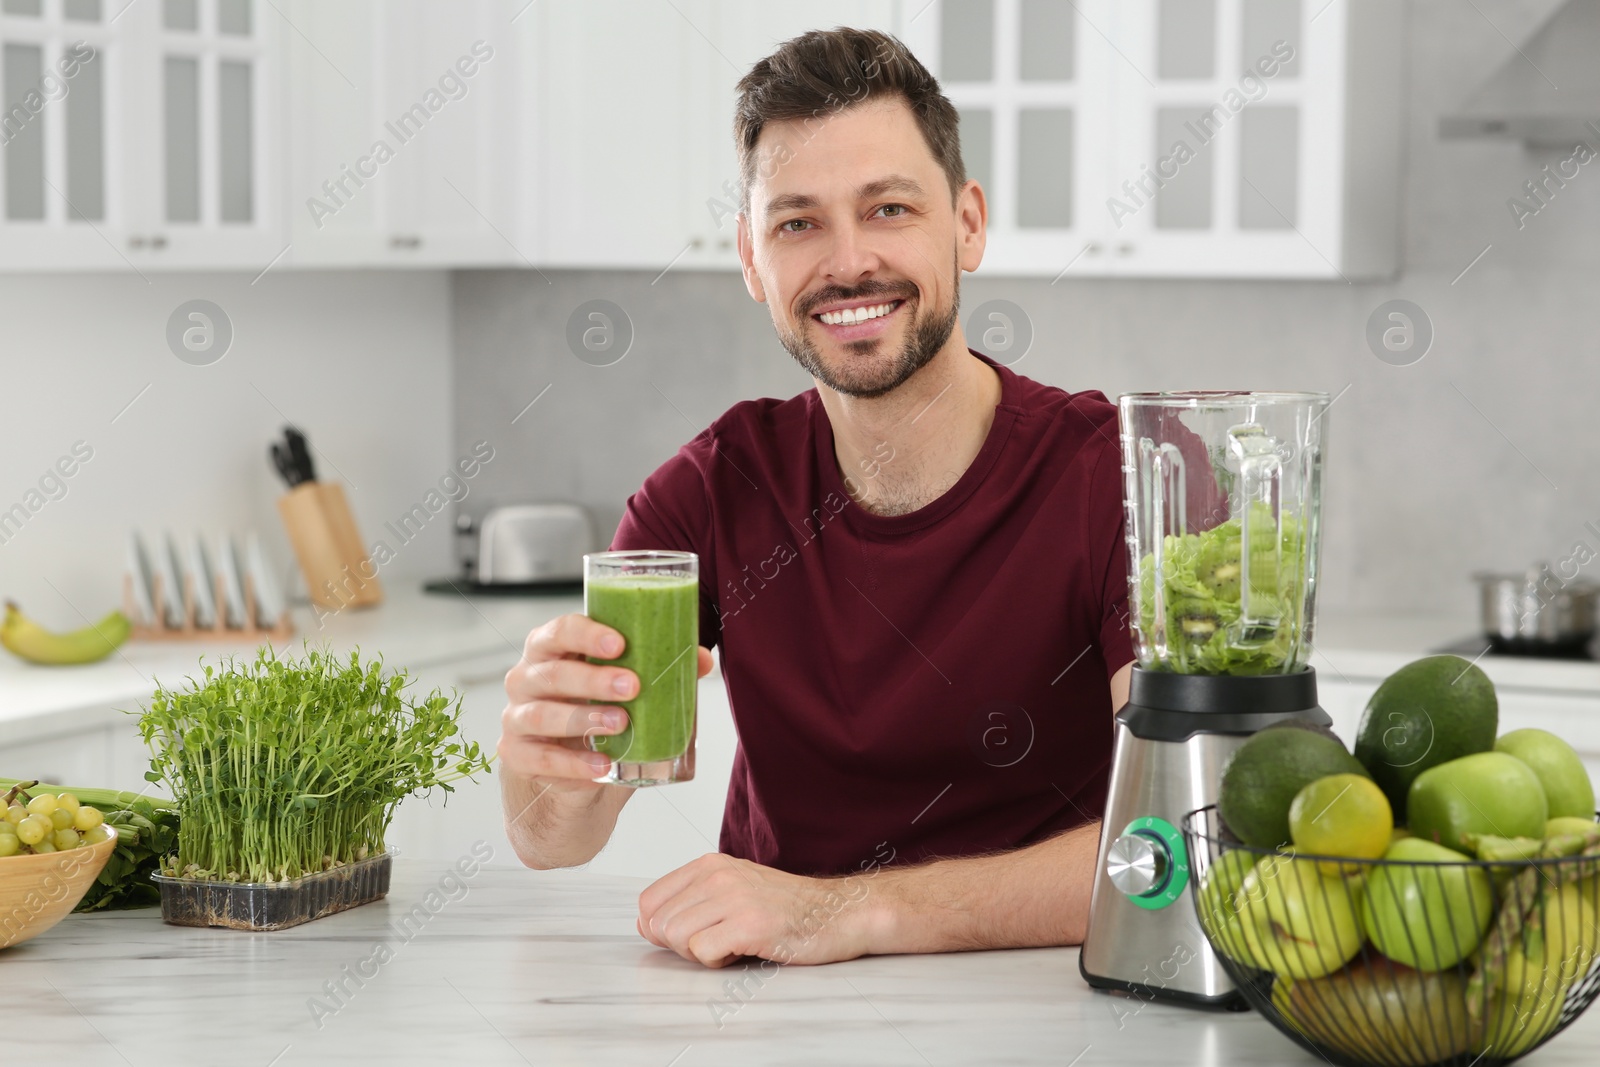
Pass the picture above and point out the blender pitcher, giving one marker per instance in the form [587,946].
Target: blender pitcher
[1223,499]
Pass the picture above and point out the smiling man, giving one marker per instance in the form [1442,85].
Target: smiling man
[915,572]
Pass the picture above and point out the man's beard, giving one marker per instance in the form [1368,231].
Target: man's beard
[864,377]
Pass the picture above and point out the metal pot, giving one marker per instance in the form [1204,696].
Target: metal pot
[1537,609]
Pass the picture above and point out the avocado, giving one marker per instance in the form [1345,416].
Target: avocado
[1430,711]
[1261,778]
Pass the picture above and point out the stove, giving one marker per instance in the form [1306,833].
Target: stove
[1579,651]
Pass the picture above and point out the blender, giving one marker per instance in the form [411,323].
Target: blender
[1223,493]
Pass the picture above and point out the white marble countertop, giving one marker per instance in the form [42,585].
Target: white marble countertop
[526,967]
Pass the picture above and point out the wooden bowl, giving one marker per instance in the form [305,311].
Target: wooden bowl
[36,892]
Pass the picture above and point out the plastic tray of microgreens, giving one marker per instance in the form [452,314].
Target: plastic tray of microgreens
[191,901]
[286,775]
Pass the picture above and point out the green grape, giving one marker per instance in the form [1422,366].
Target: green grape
[43,846]
[68,801]
[61,819]
[16,813]
[43,804]
[65,840]
[32,830]
[9,845]
[88,818]
[96,834]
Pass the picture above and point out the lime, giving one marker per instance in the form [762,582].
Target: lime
[1341,815]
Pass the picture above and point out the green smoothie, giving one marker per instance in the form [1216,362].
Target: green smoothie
[659,618]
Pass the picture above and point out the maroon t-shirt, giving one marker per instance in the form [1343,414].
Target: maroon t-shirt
[936,681]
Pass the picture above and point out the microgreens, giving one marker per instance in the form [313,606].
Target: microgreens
[281,769]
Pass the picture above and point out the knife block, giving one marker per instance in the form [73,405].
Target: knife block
[337,569]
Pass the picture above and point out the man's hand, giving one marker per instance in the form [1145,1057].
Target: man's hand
[547,723]
[718,908]
[556,814]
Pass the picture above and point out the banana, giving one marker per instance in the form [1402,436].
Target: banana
[35,644]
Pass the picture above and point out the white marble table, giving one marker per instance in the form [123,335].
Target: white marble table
[524,967]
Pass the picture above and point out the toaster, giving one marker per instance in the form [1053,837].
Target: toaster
[524,543]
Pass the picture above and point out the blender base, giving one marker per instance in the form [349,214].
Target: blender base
[1232,1000]
[1173,738]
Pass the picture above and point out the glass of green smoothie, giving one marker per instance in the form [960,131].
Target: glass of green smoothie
[653,600]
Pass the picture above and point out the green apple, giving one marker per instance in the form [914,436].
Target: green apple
[1566,783]
[1484,793]
[1295,920]
[1216,901]
[1426,917]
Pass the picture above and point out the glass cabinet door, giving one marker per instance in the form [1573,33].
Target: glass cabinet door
[57,204]
[1227,144]
[202,129]
[1028,77]
[1149,137]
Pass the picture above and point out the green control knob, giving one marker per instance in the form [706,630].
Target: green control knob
[1148,864]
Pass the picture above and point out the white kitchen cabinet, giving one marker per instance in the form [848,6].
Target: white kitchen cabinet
[407,128]
[75,757]
[203,124]
[739,34]
[1184,138]
[160,151]
[640,171]
[61,69]
[611,185]
[443,826]
[659,830]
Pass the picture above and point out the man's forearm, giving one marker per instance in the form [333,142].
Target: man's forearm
[552,825]
[1029,897]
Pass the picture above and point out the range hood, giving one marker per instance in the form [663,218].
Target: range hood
[1547,93]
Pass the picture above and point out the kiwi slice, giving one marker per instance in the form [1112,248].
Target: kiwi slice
[1195,619]
[1219,568]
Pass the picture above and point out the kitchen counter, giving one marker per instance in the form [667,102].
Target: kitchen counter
[410,629]
[417,630]
[526,967]
[1370,646]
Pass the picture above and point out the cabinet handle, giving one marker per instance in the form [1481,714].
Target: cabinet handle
[697,243]
[405,241]
[1125,248]
[158,241]
[725,244]
[1092,248]
[135,240]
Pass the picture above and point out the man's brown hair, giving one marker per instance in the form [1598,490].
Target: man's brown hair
[821,73]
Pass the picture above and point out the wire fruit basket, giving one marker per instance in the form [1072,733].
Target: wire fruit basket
[1399,963]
